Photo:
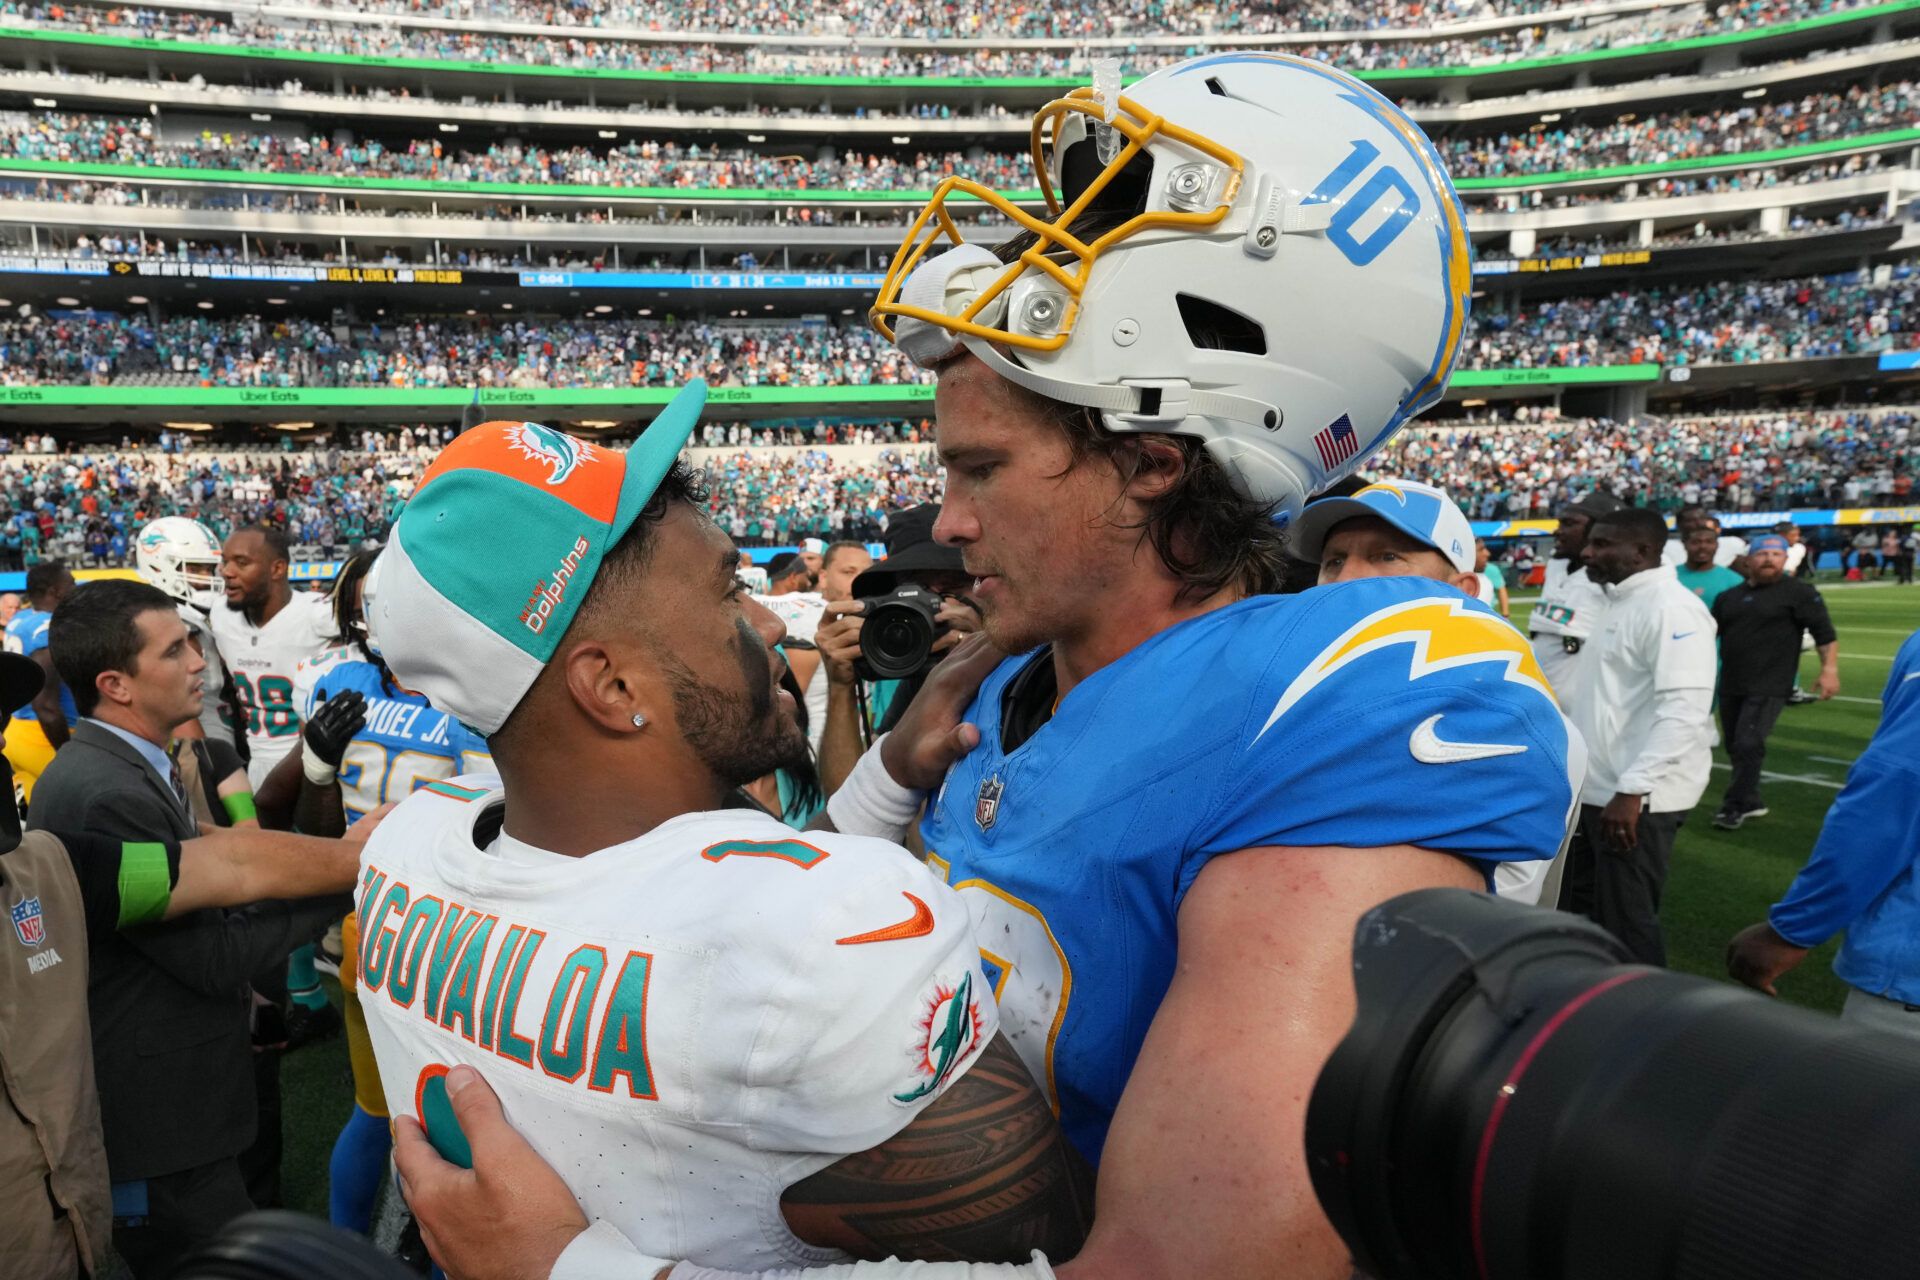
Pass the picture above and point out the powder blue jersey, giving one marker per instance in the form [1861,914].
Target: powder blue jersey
[1381,712]
[27,633]
[405,744]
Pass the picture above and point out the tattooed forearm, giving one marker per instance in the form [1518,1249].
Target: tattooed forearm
[983,1175]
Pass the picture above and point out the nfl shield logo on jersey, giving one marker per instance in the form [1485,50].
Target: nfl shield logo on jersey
[28,924]
[987,807]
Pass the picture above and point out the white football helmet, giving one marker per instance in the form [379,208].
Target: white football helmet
[181,557]
[1253,249]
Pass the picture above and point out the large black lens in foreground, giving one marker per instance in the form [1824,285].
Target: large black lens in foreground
[1515,1103]
[272,1244]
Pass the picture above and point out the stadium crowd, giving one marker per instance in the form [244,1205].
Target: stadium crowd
[918,20]
[133,140]
[293,352]
[80,503]
[132,246]
[1654,139]
[1531,465]
[1717,322]
[1722,322]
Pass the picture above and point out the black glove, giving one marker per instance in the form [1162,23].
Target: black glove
[332,727]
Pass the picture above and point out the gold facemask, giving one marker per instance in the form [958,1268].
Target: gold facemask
[1057,251]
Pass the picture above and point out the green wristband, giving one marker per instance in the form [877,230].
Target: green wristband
[239,806]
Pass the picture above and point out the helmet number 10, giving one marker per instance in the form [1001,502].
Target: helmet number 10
[1383,181]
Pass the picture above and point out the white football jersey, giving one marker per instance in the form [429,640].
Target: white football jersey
[684,1025]
[801,611]
[263,661]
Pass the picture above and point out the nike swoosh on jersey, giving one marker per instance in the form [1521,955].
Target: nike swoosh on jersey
[1681,635]
[917,925]
[1429,747]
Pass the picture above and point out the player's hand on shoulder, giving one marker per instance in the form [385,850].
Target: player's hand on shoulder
[932,734]
[363,830]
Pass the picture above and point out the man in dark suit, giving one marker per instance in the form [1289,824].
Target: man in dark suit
[170,1003]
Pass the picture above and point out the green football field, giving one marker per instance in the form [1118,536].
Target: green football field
[1721,881]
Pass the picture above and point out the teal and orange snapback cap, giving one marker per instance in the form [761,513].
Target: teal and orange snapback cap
[497,547]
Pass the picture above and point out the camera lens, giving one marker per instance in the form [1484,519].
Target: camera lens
[896,642]
[1513,1103]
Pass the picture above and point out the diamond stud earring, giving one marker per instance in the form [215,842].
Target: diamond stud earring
[639,722]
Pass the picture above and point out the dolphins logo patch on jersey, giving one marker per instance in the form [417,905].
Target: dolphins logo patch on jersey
[555,448]
[947,1034]
[1443,634]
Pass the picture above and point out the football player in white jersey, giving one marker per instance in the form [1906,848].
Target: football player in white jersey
[265,630]
[744,1047]
[182,558]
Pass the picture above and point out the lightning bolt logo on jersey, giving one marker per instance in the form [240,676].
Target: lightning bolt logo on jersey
[1380,712]
[405,744]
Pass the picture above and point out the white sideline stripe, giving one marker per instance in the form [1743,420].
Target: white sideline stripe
[1867,657]
[1878,631]
[1831,760]
[1811,780]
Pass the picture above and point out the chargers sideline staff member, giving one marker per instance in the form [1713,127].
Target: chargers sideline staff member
[748,1047]
[1403,528]
[182,558]
[39,727]
[1169,814]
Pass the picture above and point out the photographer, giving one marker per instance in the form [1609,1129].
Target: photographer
[913,557]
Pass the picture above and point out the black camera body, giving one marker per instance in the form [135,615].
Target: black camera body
[1514,1101]
[896,640]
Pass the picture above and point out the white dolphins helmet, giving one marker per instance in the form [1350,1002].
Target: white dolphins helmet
[181,557]
[1272,259]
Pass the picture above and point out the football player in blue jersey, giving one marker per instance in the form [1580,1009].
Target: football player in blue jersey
[1169,811]
[364,742]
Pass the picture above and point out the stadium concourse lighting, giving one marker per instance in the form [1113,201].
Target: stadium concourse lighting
[1550,117]
[204,305]
[47,103]
[646,311]
[608,133]
[756,137]
[602,309]
[598,424]
[276,302]
[293,426]
[447,126]
[188,426]
[6,302]
[901,139]
[261,117]
[1761,92]
[506,306]
[138,300]
[68,302]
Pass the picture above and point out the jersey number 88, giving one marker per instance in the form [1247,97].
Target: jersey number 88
[269,705]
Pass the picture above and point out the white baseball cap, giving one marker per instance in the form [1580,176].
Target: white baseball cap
[1418,510]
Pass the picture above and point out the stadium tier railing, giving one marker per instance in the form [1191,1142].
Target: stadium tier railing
[15,28]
